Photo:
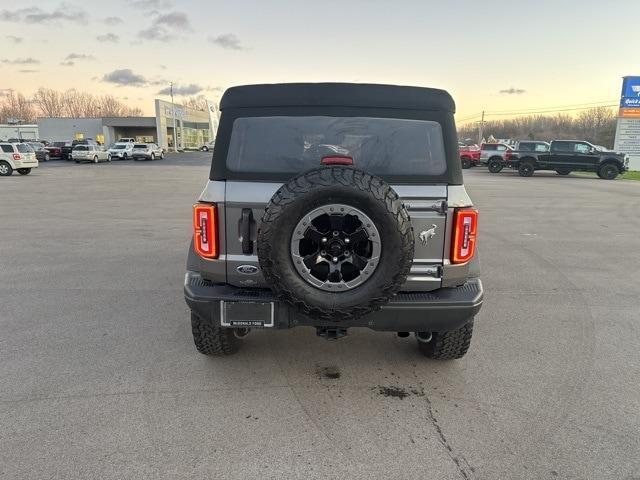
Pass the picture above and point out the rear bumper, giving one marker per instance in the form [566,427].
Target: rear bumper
[440,310]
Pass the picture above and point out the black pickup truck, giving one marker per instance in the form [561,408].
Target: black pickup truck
[566,156]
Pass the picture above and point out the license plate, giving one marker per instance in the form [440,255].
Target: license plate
[246,314]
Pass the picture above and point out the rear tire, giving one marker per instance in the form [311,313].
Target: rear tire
[448,345]
[153,156]
[608,171]
[24,171]
[211,339]
[495,166]
[466,163]
[526,169]
[46,157]
[95,159]
[563,171]
[5,169]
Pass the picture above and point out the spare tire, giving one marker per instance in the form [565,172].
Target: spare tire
[336,243]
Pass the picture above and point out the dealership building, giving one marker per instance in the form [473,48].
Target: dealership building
[193,128]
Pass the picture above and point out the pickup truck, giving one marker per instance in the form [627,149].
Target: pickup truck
[566,156]
[469,156]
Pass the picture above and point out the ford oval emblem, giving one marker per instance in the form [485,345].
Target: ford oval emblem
[247,269]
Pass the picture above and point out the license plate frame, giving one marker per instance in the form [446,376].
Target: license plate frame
[247,314]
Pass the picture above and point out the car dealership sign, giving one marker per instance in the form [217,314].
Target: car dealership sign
[628,129]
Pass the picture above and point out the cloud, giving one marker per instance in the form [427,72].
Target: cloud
[79,56]
[21,61]
[150,4]
[68,63]
[513,91]
[112,21]
[174,20]
[14,39]
[108,37]
[182,90]
[227,41]
[124,77]
[28,71]
[164,27]
[64,12]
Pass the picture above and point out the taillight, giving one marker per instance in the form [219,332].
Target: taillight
[17,156]
[508,155]
[465,228]
[205,230]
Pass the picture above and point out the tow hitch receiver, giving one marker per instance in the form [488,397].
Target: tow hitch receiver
[331,333]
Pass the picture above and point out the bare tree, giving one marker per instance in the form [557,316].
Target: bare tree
[15,107]
[50,102]
[81,104]
[596,125]
[196,103]
[110,106]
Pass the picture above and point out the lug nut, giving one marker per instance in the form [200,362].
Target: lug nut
[346,240]
[335,259]
[335,234]
[346,253]
[322,252]
[324,239]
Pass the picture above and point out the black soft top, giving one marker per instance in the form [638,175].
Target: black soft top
[338,95]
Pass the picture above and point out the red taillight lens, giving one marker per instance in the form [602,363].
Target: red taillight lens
[205,230]
[17,156]
[465,228]
[336,160]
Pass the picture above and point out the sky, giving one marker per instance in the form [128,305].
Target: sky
[494,55]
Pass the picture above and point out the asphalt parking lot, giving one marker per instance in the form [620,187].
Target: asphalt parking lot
[99,377]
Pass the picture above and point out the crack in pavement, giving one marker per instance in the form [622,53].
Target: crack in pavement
[462,465]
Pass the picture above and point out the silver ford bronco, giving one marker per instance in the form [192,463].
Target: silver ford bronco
[335,206]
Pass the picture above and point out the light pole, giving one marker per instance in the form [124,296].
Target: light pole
[173,111]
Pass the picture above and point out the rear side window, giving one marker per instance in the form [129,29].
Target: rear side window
[526,147]
[563,146]
[24,148]
[489,147]
[7,148]
[382,146]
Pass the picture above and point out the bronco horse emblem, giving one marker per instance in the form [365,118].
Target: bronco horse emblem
[425,235]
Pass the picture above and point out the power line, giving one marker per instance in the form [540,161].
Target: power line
[548,111]
[554,107]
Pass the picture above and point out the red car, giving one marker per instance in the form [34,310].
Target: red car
[469,156]
[55,149]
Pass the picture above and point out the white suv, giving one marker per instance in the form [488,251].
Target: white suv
[16,156]
[121,150]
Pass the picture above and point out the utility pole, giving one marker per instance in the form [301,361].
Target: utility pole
[173,112]
[480,129]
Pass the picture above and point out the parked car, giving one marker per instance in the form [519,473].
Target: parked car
[469,156]
[566,156]
[495,156]
[208,146]
[39,149]
[55,149]
[531,146]
[126,140]
[121,151]
[89,153]
[146,151]
[16,156]
[335,241]
[67,149]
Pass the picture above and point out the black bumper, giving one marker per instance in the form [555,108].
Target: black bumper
[440,310]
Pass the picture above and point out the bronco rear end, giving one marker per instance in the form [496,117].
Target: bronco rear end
[335,206]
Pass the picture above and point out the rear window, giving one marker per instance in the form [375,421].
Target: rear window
[24,148]
[81,147]
[382,146]
[140,145]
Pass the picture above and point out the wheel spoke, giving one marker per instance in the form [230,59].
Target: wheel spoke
[311,260]
[358,261]
[359,235]
[313,234]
